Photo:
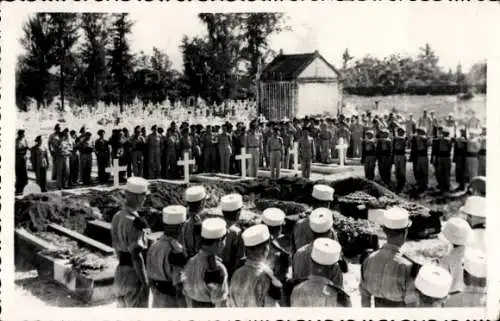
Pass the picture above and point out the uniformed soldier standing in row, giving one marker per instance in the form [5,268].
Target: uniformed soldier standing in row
[102,154]
[399,144]
[40,163]
[433,285]
[129,234]
[21,169]
[387,275]
[325,138]
[205,276]
[191,230]
[472,161]
[482,153]
[225,149]
[165,260]
[254,146]
[137,142]
[275,150]
[321,223]
[318,290]
[307,150]
[443,151]
[457,232]
[53,142]
[420,160]
[64,150]
[154,153]
[475,280]
[302,234]
[254,284]
[233,252]
[384,156]
[459,155]
[369,154]
[86,150]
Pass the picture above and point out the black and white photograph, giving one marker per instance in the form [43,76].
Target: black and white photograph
[288,158]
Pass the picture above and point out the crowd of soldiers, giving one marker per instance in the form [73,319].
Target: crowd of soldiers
[377,140]
[207,259]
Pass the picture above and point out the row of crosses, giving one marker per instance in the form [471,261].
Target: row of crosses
[116,169]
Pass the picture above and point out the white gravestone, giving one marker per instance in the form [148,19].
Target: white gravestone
[186,162]
[341,147]
[295,152]
[115,171]
[31,188]
[243,158]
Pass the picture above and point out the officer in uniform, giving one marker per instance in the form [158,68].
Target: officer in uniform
[474,211]
[137,142]
[399,144]
[191,230]
[275,150]
[369,154]
[384,156]
[457,232]
[433,285]
[40,163]
[482,153]
[444,146]
[459,155]
[475,274]
[154,153]
[129,234]
[254,284]
[21,169]
[320,223]
[419,151]
[102,154]
[325,138]
[86,150]
[254,146]
[166,259]
[472,160]
[307,150]
[387,275]
[205,279]
[302,234]
[279,257]
[318,290]
[53,142]
[233,252]
[207,149]
[64,151]
[225,149]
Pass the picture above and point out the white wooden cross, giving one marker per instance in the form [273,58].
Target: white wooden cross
[186,162]
[295,152]
[115,172]
[243,158]
[341,147]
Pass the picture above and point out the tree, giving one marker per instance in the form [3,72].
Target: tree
[93,56]
[121,63]
[346,57]
[64,27]
[34,78]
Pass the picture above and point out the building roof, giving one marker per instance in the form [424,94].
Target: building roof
[289,67]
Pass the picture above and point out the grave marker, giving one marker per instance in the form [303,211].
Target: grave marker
[243,158]
[295,152]
[341,147]
[186,162]
[115,171]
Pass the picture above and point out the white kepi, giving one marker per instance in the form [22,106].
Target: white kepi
[255,235]
[433,281]
[323,192]
[325,251]
[31,188]
[174,215]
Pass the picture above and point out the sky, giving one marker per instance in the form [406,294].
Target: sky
[456,34]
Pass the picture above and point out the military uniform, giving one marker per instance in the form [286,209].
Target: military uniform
[306,154]
[325,137]
[275,150]
[369,156]
[399,157]
[53,143]
[154,155]
[419,151]
[482,156]
[40,164]
[129,234]
[472,161]
[137,143]
[443,162]
[21,170]
[302,266]
[384,158]
[254,146]
[86,150]
[225,151]
[459,154]
[356,139]
[64,151]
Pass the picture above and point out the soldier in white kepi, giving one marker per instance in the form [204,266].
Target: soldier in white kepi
[320,223]
[205,277]
[166,259]
[234,251]
[475,273]
[318,290]
[457,232]
[433,284]
[323,196]
[195,198]
[129,234]
[474,211]
[279,257]
[254,284]
[387,275]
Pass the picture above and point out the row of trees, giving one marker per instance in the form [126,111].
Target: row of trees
[399,74]
[85,58]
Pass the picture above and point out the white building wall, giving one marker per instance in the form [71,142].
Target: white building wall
[318,98]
